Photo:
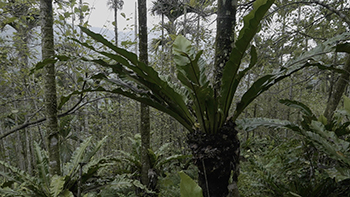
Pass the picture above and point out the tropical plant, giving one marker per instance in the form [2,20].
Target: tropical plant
[160,159]
[80,174]
[326,143]
[197,104]
[188,187]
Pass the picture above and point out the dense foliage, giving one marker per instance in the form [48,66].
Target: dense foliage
[288,146]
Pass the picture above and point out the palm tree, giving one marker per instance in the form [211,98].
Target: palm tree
[115,5]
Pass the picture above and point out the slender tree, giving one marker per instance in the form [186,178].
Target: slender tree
[115,5]
[145,129]
[50,86]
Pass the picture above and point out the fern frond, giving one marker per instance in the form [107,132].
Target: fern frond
[72,166]
[22,177]
[131,159]
[90,154]
[329,143]
[56,185]
[42,161]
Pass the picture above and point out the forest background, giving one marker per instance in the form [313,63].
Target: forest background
[303,150]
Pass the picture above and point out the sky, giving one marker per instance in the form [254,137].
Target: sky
[101,16]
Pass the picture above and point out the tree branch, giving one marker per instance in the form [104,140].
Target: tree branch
[26,124]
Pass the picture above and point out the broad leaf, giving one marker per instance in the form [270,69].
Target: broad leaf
[191,73]
[298,105]
[77,157]
[22,177]
[307,59]
[249,124]
[155,90]
[189,188]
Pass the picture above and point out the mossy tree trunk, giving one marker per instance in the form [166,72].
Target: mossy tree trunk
[145,129]
[217,158]
[217,155]
[50,86]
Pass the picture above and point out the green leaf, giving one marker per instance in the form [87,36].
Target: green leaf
[169,159]
[191,73]
[42,162]
[156,90]
[346,104]
[299,105]
[339,174]
[56,185]
[66,193]
[182,50]
[189,188]
[42,64]
[22,177]
[322,119]
[77,157]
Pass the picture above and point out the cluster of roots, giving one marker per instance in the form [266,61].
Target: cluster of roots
[217,158]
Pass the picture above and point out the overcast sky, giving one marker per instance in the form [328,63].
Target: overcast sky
[101,16]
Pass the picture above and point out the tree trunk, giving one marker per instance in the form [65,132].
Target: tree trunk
[116,22]
[148,176]
[216,156]
[338,91]
[225,26]
[50,86]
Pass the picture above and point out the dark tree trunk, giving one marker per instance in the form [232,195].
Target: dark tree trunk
[339,89]
[216,156]
[225,26]
[148,175]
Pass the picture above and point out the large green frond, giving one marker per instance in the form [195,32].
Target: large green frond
[155,89]
[72,166]
[93,150]
[191,73]
[141,97]
[249,124]
[188,187]
[310,58]
[329,142]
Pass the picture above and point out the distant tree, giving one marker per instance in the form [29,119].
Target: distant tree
[115,5]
